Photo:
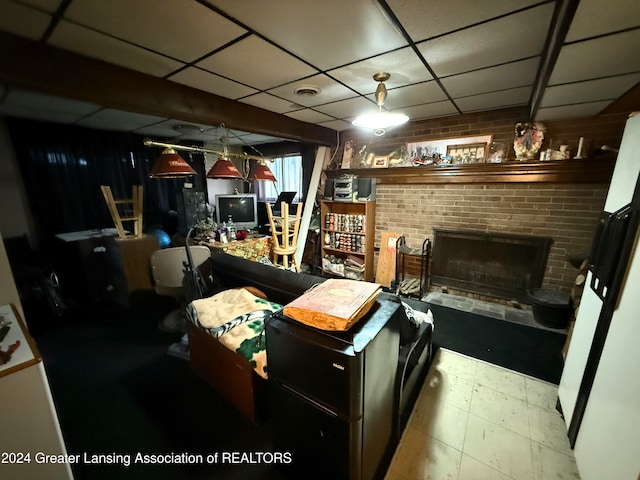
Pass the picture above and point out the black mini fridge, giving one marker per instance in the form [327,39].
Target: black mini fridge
[332,394]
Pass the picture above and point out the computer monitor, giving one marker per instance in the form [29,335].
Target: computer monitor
[243,208]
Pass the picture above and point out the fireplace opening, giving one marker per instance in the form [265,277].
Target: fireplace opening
[501,265]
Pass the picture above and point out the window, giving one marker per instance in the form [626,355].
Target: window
[288,172]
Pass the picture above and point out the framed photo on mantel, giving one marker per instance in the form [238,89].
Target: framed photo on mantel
[470,149]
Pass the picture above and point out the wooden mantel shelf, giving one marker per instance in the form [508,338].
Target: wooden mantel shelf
[559,171]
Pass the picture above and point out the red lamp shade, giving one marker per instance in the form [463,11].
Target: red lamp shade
[171,165]
[262,172]
[223,168]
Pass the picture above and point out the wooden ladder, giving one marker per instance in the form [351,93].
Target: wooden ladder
[131,214]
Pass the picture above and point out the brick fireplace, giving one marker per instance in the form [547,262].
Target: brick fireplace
[568,214]
[562,209]
[503,265]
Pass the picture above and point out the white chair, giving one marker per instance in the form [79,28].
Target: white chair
[168,269]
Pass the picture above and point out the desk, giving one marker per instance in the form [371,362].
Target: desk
[251,248]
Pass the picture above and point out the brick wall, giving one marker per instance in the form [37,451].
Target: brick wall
[567,213]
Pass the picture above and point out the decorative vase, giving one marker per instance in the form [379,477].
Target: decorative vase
[528,140]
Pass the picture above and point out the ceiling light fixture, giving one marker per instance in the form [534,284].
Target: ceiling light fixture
[380,121]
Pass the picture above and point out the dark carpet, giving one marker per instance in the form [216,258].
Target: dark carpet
[532,351]
[117,392]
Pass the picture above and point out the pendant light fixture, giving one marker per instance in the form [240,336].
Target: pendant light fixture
[171,165]
[262,172]
[380,121]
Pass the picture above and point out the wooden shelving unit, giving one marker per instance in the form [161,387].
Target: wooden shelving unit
[348,231]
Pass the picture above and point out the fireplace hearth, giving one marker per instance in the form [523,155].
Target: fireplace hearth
[501,265]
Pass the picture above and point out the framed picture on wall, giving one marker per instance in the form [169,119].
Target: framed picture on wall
[440,147]
[469,153]
[380,161]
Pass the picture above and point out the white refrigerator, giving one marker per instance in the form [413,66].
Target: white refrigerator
[599,390]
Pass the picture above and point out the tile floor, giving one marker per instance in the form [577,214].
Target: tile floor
[476,421]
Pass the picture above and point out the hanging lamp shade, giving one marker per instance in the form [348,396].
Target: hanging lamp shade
[223,168]
[171,165]
[262,172]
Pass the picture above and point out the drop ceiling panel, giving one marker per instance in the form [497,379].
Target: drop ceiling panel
[594,18]
[600,57]
[592,90]
[485,52]
[424,20]
[269,102]
[93,44]
[330,91]
[338,125]
[348,109]
[119,120]
[21,20]
[308,115]
[426,92]
[431,110]
[326,34]
[490,101]
[209,82]
[404,66]
[26,99]
[510,75]
[571,111]
[257,63]
[510,38]
[182,29]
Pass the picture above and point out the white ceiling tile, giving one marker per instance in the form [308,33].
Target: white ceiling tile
[209,82]
[348,109]
[426,92]
[119,120]
[571,111]
[430,110]
[346,32]
[92,44]
[589,91]
[510,38]
[338,125]
[23,21]
[269,102]
[48,103]
[255,62]
[183,29]
[330,91]
[594,18]
[36,114]
[600,57]
[404,66]
[510,75]
[309,116]
[494,100]
[424,20]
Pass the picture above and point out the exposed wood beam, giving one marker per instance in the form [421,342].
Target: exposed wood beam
[562,18]
[51,70]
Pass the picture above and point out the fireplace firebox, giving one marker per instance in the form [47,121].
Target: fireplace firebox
[502,265]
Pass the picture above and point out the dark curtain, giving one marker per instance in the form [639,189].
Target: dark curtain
[63,167]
